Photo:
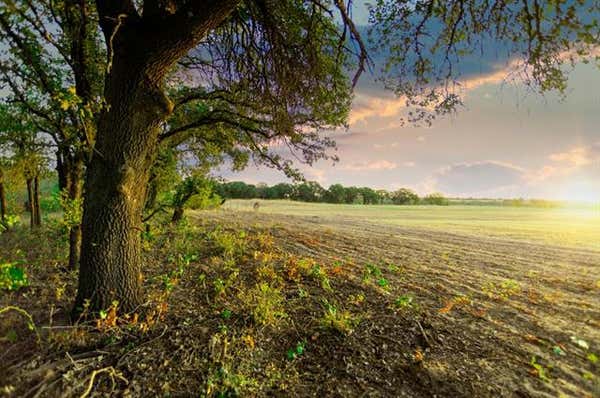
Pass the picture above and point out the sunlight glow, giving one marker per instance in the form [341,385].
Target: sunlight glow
[582,191]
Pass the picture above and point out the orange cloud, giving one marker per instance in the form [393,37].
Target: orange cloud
[366,107]
[373,165]
[576,157]
[565,163]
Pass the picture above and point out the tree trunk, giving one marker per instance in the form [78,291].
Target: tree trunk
[141,53]
[115,190]
[30,205]
[61,169]
[177,215]
[36,201]
[70,170]
[3,207]
[75,192]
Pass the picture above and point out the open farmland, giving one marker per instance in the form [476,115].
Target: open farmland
[509,292]
[297,299]
[559,226]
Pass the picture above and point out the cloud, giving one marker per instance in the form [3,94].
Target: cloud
[314,174]
[570,174]
[578,156]
[385,105]
[568,162]
[366,106]
[371,165]
[474,179]
[380,147]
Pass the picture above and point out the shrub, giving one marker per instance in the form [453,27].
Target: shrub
[12,276]
[266,304]
[340,321]
[437,199]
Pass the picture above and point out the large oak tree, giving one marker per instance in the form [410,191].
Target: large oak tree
[252,77]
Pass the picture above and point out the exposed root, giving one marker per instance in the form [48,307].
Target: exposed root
[114,374]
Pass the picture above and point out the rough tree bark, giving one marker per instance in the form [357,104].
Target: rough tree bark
[177,215]
[141,52]
[61,170]
[75,191]
[36,202]
[70,170]
[30,204]
[3,206]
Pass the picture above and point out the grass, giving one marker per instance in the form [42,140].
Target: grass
[575,227]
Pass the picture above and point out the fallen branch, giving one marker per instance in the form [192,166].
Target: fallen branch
[26,314]
[111,372]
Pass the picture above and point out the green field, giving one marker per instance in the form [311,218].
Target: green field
[559,226]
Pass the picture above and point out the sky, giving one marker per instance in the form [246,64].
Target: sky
[505,141]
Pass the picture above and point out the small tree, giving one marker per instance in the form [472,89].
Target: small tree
[369,196]
[437,199]
[3,203]
[405,196]
[188,188]
[309,191]
[335,194]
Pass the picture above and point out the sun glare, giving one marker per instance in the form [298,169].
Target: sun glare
[582,191]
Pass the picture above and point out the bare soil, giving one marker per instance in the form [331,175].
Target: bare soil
[451,315]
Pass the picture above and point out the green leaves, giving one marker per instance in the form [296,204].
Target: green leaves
[296,351]
[12,276]
[424,43]
[404,301]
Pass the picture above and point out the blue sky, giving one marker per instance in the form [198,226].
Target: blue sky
[505,142]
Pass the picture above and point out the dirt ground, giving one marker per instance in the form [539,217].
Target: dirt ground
[524,299]
[417,314]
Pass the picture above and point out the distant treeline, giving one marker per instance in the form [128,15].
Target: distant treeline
[312,191]
[520,202]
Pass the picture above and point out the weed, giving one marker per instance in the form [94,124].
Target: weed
[10,221]
[337,268]
[292,273]
[223,383]
[107,319]
[266,304]
[226,314]
[372,272]
[341,321]
[405,301]
[394,268]
[502,290]
[229,244]
[356,299]
[305,265]
[296,351]
[457,301]
[219,286]
[539,370]
[266,272]
[320,275]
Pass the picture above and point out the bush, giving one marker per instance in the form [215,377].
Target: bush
[405,196]
[12,276]
[437,199]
